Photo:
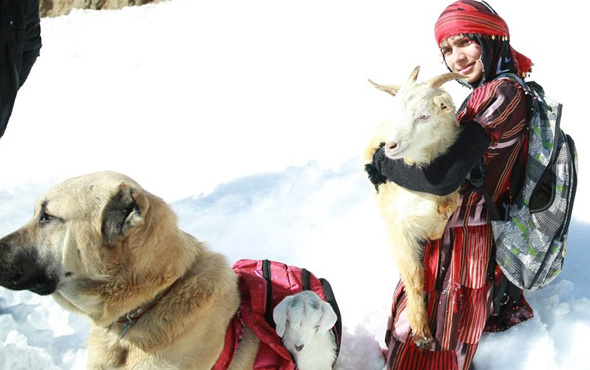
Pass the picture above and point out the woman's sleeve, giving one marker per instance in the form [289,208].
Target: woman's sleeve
[445,174]
[32,39]
[499,107]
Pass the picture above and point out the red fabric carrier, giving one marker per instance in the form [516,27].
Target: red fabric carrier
[263,285]
[286,280]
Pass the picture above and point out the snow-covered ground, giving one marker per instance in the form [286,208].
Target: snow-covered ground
[250,118]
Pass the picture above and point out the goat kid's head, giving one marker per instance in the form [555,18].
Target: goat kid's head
[302,318]
[424,111]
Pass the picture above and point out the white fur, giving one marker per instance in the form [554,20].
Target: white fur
[424,127]
[304,322]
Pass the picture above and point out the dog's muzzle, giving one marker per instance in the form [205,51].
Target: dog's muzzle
[22,269]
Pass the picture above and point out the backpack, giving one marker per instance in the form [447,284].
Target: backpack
[531,239]
[263,285]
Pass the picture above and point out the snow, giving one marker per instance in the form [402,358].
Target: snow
[250,119]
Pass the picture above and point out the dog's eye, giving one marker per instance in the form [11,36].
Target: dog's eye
[46,217]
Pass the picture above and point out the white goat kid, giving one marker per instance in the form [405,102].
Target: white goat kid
[304,322]
[425,126]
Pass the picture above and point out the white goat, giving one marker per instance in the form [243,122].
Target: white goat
[304,322]
[424,128]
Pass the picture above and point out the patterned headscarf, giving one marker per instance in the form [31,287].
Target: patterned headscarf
[477,20]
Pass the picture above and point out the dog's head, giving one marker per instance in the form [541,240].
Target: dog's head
[302,317]
[92,240]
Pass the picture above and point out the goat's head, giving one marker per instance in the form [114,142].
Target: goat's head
[425,114]
[301,318]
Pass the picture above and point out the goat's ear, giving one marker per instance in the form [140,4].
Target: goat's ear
[328,319]
[390,89]
[124,212]
[444,103]
[279,315]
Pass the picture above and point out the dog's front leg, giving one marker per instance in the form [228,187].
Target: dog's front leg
[105,350]
[246,355]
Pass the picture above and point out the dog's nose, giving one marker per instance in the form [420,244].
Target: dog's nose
[299,347]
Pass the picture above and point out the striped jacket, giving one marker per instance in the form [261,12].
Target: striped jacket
[458,291]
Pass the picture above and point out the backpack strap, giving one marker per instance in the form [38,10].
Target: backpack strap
[266,273]
[306,283]
[476,179]
[331,299]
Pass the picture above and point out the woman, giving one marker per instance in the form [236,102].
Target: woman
[465,292]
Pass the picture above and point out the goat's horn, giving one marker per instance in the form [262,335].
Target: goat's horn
[414,74]
[390,89]
[438,81]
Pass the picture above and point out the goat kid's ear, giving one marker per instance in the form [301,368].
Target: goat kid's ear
[390,89]
[445,103]
[328,319]
[279,315]
[124,212]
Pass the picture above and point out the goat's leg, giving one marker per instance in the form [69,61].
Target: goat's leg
[407,253]
[448,204]
[445,207]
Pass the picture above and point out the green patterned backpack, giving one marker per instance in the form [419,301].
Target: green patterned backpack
[531,240]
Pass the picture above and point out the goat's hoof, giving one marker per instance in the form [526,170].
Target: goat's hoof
[422,342]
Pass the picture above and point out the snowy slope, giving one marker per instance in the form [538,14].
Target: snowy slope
[250,118]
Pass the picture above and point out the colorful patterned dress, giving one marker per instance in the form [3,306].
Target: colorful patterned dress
[460,283]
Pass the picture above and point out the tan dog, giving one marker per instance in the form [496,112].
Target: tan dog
[106,248]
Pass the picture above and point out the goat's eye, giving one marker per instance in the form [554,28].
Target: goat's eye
[424,117]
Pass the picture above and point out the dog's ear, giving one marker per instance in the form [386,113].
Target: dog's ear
[328,319]
[124,212]
[279,315]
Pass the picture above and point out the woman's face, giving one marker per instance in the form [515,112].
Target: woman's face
[463,55]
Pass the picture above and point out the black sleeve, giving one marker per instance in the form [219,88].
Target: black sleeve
[445,174]
[29,59]
[32,39]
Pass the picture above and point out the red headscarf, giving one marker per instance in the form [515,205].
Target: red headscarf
[466,17]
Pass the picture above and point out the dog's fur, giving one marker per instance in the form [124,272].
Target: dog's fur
[103,246]
[304,322]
